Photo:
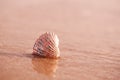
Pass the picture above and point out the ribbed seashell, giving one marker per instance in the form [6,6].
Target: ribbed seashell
[47,45]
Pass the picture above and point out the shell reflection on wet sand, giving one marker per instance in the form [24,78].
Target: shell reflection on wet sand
[47,45]
[45,66]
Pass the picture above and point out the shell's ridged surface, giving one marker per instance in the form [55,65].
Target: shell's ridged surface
[47,45]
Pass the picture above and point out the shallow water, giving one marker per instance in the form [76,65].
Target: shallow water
[89,33]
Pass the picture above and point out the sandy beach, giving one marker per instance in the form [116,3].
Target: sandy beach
[89,33]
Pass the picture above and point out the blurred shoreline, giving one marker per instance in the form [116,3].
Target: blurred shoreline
[89,33]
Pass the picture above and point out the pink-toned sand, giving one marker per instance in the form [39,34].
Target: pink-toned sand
[89,33]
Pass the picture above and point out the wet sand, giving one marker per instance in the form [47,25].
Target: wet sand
[89,33]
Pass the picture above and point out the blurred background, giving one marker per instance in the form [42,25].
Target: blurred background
[89,33]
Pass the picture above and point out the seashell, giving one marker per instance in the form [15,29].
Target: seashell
[47,45]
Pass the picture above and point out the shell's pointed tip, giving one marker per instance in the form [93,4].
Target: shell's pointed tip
[47,45]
